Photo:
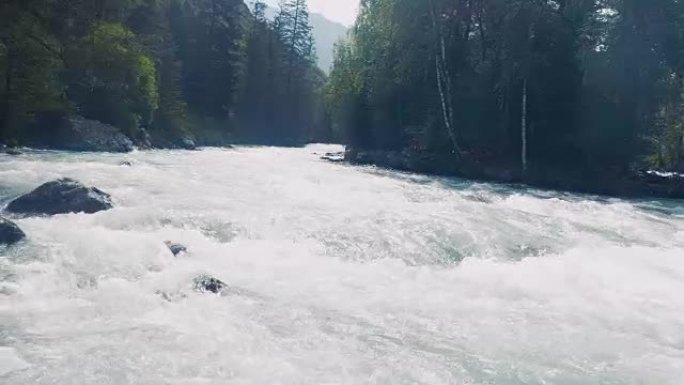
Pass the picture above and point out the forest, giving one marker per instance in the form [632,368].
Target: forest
[583,87]
[213,71]
[535,89]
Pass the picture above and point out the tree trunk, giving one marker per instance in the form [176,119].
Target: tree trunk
[295,26]
[483,37]
[295,30]
[679,164]
[444,85]
[5,108]
[523,128]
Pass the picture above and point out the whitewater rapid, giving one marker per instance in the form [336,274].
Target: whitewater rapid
[339,275]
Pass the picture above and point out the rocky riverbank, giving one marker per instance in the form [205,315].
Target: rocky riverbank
[640,183]
[76,133]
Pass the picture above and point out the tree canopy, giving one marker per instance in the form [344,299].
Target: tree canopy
[571,84]
[207,69]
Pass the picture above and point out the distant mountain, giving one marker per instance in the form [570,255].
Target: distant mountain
[326,33]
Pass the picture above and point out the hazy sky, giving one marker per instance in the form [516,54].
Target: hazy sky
[342,11]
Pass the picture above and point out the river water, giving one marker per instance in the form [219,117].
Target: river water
[337,274]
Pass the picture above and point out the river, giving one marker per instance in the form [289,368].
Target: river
[337,274]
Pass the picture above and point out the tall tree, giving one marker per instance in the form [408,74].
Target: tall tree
[546,85]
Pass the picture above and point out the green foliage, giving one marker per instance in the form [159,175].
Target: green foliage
[602,80]
[211,41]
[113,79]
[343,91]
[177,68]
[29,69]
[281,98]
[294,30]
[667,139]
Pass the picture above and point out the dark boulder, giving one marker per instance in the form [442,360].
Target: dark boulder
[176,248]
[207,284]
[188,144]
[80,134]
[10,233]
[12,151]
[61,197]
[143,139]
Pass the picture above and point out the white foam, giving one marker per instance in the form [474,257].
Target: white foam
[10,361]
[338,275]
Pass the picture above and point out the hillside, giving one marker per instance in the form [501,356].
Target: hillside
[326,33]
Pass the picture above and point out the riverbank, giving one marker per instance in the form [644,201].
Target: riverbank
[638,184]
[78,134]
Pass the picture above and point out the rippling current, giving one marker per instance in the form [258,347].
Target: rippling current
[338,275]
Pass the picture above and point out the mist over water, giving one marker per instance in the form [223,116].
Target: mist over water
[338,275]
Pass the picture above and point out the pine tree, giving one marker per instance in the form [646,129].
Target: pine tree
[296,64]
[292,24]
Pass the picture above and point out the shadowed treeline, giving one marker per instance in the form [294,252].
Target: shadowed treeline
[160,69]
[541,86]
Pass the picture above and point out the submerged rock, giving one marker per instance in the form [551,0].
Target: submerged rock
[171,296]
[335,157]
[12,151]
[61,197]
[205,283]
[126,163]
[176,248]
[10,233]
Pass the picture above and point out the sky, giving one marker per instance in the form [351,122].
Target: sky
[341,11]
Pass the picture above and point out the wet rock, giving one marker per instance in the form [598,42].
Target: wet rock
[10,233]
[61,197]
[207,284]
[86,282]
[171,297]
[335,157]
[126,163]
[663,184]
[176,248]
[79,134]
[143,140]
[12,151]
[188,144]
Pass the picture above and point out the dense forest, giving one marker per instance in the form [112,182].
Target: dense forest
[532,89]
[213,71]
[586,87]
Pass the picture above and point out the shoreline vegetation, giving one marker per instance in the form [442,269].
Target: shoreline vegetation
[164,73]
[572,95]
[632,184]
